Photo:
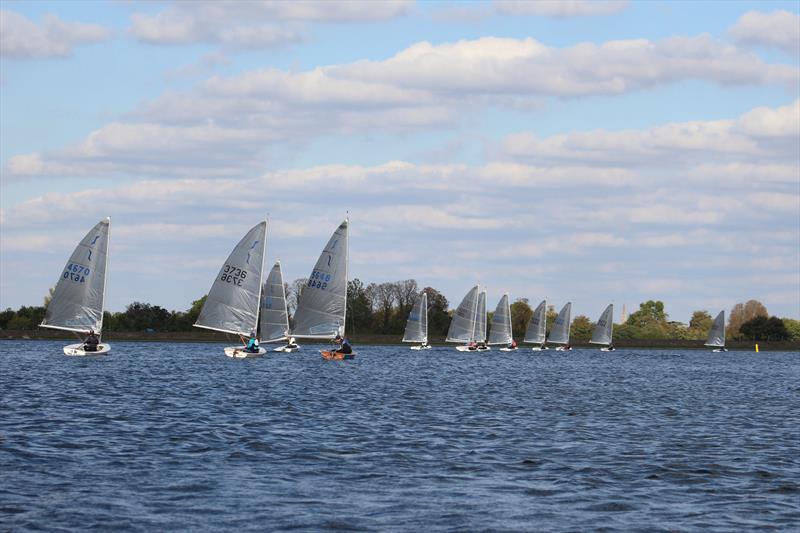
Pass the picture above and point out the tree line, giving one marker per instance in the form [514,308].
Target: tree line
[383,308]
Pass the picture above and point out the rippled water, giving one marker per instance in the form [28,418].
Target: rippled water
[168,436]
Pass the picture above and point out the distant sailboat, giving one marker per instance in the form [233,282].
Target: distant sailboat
[417,325]
[77,302]
[462,325]
[604,329]
[560,332]
[274,318]
[480,324]
[501,326]
[322,308]
[537,327]
[716,337]
[232,304]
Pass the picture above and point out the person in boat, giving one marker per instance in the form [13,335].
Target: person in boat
[567,347]
[512,345]
[481,345]
[91,342]
[611,348]
[424,344]
[344,345]
[472,345]
[292,343]
[252,344]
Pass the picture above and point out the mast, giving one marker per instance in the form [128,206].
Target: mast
[105,280]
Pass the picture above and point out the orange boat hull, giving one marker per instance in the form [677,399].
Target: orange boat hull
[336,356]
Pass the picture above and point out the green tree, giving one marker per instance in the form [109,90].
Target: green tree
[792,328]
[742,313]
[521,314]
[359,307]
[650,320]
[700,324]
[551,316]
[438,317]
[581,330]
[761,328]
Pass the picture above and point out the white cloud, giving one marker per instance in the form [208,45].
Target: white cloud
[778,28]
[559,8]
[21,38]
[248,24]
[766,122]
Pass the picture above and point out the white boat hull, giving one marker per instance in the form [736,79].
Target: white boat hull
[507,349]
[718,350]
[286,349]
[563,348]
[77,349]
[472,349]
[237,352]
[419,347]
[539,348]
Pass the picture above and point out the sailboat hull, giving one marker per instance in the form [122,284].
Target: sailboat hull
[718,350]
[336,356]
[607,349]
[77,349]
[286,349]
[563,348]
[420,347]
[507,349]
[237,352]
[539,348]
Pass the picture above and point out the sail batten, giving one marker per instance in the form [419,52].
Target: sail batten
[462,325]
[323,302]
[716,336]
[501,323]
[78,298]
[417,325]
[604,328]
[537,327]
[274,318]
[560,332]
[233,301]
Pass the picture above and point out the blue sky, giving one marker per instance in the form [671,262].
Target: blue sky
[586,151]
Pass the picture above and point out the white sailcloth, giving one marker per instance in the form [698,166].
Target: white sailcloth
[537,327]
[274,318]
[462,326]
[77,302]
[501,323]
[604,328]
[417,325]
[323,302]
[560,332]
[480,319]
[716,337]
[233,301]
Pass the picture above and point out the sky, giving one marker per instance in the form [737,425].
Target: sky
[591,152]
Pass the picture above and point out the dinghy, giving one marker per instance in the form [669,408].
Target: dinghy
[480,324]
[537,328]
[604,329]
[417,324]
[462,325]
[560,332]
[322,308]
[501,326]
[716,337]
[77,302]
[273,322]
[233,302]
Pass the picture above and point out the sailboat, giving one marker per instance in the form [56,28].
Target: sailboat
[322,307]
[462,325]
[560,332]
[77,302]
[480,324]
[604,330]
[233,302]
[501,326]
[417,325]
[273,323]
[537,327]
[716,337]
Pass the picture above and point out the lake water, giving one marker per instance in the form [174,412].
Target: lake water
[160,437]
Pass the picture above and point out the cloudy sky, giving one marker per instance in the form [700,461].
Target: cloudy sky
[587,151]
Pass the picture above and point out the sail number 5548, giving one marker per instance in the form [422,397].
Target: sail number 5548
[319,280]
[232,274]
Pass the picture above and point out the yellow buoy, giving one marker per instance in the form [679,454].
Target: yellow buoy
[756,348]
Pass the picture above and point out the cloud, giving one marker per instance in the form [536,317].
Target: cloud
[780,29]
[559,8]
[247,24]
[21,38]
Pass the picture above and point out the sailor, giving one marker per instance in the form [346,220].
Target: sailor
[512,345]
[292,343]
[91,342]
[344,345]
[252,344]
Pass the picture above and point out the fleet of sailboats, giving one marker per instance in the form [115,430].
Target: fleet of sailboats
[417,324]
[79,295]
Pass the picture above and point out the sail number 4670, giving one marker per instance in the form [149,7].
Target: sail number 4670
[231,274]
[75,272]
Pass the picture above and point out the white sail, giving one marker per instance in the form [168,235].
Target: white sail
[560,332]
[501,323]
[233,301]
[480,319]
[716,337]
[273,319]
[462,326]
[537,327]
[604,328]
[77,302]
[323,302]
[417,325]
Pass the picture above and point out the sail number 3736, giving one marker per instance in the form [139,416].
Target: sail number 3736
[232,274]
[75,272]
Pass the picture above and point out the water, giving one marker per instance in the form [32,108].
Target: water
[168,436]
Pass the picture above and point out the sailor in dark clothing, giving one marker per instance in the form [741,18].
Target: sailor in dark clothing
[91,342]
[344,345]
